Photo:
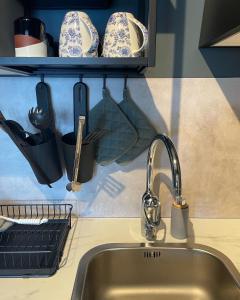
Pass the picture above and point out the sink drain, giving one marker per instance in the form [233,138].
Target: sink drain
[152,254]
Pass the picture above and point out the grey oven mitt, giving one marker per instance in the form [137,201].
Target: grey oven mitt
[146,132]
[120,135]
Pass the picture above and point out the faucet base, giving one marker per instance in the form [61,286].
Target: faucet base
[179,221]
[150,233]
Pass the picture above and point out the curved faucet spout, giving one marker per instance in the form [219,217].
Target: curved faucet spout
[151,206]
[175,165]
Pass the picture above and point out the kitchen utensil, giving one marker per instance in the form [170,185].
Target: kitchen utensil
[78,37]
[87,156]
[16,132]
[30,38]
[25,138]
[81,106]
[15,137]
[43,158]
[39,120]
[125,36]
[146,132]
[45,153]
[42,116]
[120,136]
[74,186]
[24,151]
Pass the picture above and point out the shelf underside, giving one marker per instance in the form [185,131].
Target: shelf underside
[71,4]
[72,66]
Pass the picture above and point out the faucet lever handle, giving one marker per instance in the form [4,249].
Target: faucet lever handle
[152,209]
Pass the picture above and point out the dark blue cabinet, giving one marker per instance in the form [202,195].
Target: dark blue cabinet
[221,24]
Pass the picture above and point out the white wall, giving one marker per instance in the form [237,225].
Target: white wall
[202,116]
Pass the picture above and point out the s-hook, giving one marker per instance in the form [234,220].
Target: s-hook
[42,77]
[125,82]
[104,81]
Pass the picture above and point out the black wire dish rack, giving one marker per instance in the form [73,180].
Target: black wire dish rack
[34,250]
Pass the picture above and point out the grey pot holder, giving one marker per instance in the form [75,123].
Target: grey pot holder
[146,132]
[121,135]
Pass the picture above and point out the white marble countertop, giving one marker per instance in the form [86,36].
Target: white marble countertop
[223,235]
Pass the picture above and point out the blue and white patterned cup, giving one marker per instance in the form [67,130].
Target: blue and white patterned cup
[78,37]
[125,36]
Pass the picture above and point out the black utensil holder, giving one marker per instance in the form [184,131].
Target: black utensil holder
[44,160]
[87,158]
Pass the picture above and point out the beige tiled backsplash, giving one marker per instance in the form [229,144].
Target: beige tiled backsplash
[201,115]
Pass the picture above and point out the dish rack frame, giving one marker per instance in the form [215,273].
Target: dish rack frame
[34,250]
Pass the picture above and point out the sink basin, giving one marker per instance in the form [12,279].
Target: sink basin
[153,272]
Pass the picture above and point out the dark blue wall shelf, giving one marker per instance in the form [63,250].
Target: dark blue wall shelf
[52,13]
[54,66]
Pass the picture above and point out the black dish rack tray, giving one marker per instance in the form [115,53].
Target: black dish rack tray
[34,250]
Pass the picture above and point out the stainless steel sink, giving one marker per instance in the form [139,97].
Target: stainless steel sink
[153,272]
